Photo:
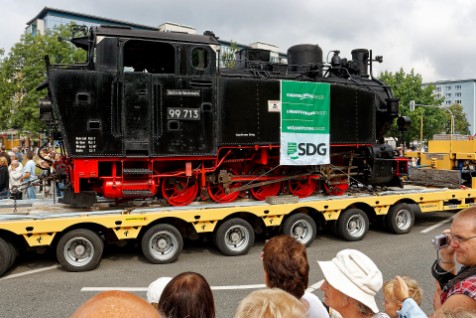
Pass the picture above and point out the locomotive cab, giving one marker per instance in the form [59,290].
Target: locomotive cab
[133,77]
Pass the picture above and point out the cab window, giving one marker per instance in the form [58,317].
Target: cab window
[200,58]
[148,57]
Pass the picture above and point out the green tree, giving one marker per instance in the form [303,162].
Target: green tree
[460,120]
[408,87]
[24,69]
[228,55]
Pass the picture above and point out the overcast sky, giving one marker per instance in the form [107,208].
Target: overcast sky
[437,38]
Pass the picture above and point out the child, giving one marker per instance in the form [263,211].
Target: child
[396,291]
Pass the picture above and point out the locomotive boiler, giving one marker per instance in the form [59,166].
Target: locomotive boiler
[154,114]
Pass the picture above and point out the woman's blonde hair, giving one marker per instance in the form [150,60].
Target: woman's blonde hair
[270,303]
[3,161]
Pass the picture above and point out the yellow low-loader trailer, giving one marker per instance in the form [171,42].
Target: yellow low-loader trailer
[79,237]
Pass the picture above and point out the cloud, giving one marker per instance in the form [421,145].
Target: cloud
[434,37]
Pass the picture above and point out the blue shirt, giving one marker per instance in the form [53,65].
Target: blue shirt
[19,156]
[31,168]
[410,309]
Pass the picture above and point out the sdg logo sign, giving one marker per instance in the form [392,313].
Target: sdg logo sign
[292,150]
[295,150]
[305,123]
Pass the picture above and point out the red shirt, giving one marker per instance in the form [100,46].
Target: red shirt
[465,287]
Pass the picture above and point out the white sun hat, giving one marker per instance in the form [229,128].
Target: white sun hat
[156,288]
[354,274]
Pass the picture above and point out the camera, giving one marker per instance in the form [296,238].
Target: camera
[439,241]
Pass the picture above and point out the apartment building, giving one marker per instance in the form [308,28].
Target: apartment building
[459,92]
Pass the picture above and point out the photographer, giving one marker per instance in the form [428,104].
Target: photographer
[456,290]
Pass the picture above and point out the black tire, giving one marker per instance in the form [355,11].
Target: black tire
[353,224]
[79,250]
[234,237]
[5,256]
[380,221]
[302,227]
[14,253]
[333,227]
[400,218]
[162,243]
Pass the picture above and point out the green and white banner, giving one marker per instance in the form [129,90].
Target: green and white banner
[305,123]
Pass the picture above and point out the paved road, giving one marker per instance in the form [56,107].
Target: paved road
[36,287]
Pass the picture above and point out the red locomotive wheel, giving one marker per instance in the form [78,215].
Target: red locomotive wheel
[337,189]
[179,191]
[262,192]
[302,187]
[217,192]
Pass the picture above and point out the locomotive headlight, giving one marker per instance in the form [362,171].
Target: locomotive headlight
[46,110]
[403,123]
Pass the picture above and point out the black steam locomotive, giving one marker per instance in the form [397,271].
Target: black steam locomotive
[154,114]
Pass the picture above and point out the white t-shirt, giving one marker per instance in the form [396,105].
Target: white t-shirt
[316,308]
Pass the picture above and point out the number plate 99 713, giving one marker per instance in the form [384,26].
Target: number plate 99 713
[183,113]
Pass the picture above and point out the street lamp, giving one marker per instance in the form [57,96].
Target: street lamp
[12,112]
[452,123]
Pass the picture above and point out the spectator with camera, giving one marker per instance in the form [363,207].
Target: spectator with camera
[456,290]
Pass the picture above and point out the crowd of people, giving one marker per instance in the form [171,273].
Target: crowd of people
[351,282]
[18,171]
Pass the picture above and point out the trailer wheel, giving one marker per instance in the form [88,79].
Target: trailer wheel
[234,237]
[302,227]
[5,256]
[14,253]
[400,218]
[353,224]
[162,244]
[79,250]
